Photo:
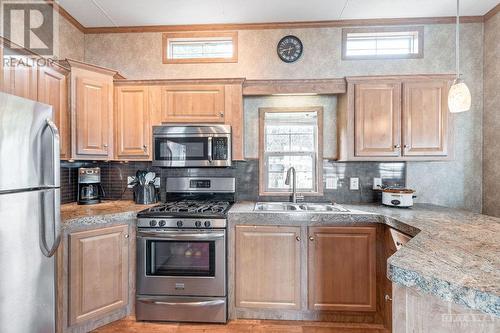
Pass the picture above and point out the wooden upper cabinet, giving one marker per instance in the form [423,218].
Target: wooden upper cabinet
[377,112]
[53,90]
[197,103]
[267,269]
[342,268]
[98,273]
[425,118]
[20,78]
[132,123]
[93,117]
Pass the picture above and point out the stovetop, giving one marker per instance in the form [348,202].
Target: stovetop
[188,209]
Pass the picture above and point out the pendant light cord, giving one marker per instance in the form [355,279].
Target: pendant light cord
[457,40]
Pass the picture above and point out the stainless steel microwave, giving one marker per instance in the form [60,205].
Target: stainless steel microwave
[192,146]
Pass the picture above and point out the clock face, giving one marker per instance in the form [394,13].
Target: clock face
[289,48]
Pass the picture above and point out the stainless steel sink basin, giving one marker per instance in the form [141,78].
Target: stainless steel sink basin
[302,207]
[276,206]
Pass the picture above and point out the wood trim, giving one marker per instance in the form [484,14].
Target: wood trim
[122,82]
[319,161]
[419,29]
[201,34]
[59,9]
[285,25]
[399,78]
[271,87]
[92,67]
[490,13]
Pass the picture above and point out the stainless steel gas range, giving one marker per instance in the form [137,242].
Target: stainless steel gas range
[181,252]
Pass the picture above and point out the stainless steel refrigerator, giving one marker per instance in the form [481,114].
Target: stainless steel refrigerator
[29,215]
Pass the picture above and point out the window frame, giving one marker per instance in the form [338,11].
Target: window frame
[318,171]
[233,35]
[418,29]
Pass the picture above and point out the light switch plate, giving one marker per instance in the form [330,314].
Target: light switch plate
[354,183]
[377,183]
[332,183]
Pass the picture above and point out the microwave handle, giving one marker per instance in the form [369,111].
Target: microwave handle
[209,155]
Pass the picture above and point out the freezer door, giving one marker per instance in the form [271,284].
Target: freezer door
[27,273]
[29,145]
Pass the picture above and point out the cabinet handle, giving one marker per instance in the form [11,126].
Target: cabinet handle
[399,244]
[397,146]
[406,146]
[388,298]
[145,147]
[127,236]
[311,238]
[221,114]
[297,238]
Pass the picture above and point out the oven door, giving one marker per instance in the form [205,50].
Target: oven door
[192,150]
[181,262]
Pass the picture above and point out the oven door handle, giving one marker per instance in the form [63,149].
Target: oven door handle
[194,304]
[180,236]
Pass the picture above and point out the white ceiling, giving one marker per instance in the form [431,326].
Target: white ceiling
[109,13]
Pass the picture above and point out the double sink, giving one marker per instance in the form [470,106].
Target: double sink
[299,207]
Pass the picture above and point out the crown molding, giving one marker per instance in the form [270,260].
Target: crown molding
[492,12]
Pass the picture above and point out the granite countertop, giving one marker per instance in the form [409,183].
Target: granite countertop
[454,255]
[72,212]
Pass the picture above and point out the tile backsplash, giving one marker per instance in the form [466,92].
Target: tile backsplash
[114,179]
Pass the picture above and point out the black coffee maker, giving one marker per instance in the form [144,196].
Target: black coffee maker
[90,190]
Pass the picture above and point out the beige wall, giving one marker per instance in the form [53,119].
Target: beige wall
[456,183]
[491,165]
[71,41]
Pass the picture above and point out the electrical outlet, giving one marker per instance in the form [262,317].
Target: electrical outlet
[354,183]
[377,183]
[332,183]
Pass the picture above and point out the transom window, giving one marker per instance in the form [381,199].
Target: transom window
[382,43]
[290,138]
[195,47]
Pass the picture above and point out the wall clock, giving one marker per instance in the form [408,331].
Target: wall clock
[289,48]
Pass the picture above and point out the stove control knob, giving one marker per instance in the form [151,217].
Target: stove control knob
[179,224]
[197,224]
[162,223]
[207,224]
[152,223]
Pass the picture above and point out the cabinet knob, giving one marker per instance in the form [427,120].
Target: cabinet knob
[399,244]
[406,146]
[297,238]
[145,147]
[127,236]
[397,146]
[388,298]
[221,114]
[105,145]
[311,238]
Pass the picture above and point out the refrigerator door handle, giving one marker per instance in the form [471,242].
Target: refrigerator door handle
[56,206]
[55,152]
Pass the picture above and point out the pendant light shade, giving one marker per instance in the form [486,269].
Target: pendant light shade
[459,98]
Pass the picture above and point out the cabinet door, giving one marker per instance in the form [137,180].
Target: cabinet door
[98,276]
[267,270]
[234,117]
[425,118]
[342,271]
[53,90]
[93,117]
[377,119]
[132,123]
[20,77]
[193,103]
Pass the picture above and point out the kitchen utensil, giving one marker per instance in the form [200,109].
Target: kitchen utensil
[149,177]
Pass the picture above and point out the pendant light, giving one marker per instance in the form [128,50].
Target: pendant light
[459,98]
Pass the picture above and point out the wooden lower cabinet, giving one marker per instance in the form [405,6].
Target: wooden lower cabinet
[98,273]
[342,268]
[267,269]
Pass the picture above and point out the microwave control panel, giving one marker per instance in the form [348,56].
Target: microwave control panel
[219,149]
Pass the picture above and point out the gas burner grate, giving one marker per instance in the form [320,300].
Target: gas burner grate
[192,206]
